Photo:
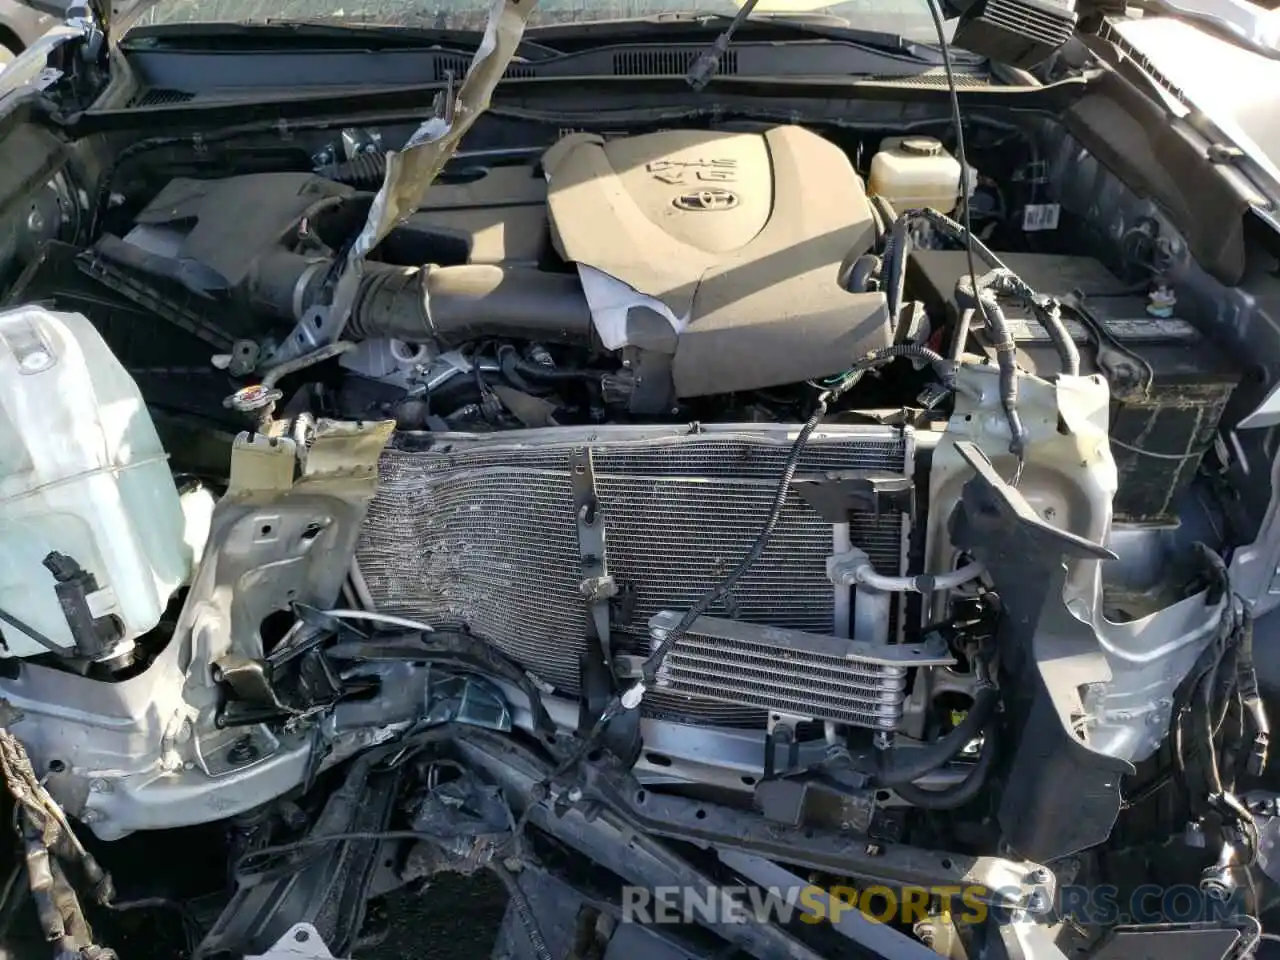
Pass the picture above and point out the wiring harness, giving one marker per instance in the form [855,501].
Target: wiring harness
[1218,697]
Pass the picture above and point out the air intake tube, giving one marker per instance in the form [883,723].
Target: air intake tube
[445,304]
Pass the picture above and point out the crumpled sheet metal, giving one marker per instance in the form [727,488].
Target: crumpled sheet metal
[411,170]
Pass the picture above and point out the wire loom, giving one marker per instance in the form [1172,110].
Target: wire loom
[49,843]
[1221,687]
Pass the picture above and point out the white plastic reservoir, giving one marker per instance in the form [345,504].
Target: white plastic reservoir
[915,172]
[82,472]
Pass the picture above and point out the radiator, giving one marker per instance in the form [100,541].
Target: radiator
[480,531]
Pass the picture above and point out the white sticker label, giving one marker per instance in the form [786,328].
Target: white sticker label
[1040,216]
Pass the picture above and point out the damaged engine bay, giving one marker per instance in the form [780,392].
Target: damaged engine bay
[656,503]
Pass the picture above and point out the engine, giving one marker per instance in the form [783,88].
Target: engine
[702,423]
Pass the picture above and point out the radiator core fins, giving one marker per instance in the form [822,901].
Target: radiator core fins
[480,531]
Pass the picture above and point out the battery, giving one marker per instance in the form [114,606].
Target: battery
[1158,435]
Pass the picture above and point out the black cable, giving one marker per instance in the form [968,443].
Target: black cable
[35,634]
[954,95]
[708,62]
[102,195]
[524,910]
[1148,790]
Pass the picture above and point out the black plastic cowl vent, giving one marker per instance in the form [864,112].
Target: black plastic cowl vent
[159,97]
[936,79]
[458,65]
[662,63]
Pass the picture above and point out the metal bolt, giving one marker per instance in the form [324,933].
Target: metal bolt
[873,850]
[98,785]
[575,794]
[1216,889]
[1037,902]
[924,932]
[89,815]
[1039,875]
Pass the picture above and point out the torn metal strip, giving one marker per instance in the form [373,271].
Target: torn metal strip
[411,170]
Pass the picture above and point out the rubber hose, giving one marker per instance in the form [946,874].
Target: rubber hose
[509,360]
[925,760]
[1050,316]
[885,206]
[969,789]
[896,251]
[524,910]
[877,222]
[457,304]
[967,298]
[862,272]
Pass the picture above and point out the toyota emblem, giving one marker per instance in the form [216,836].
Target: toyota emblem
[712,198]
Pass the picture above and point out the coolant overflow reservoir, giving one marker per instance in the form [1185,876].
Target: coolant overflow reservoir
[915,172]
[83,479]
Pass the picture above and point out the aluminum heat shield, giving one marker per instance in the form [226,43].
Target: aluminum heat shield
[480,530]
